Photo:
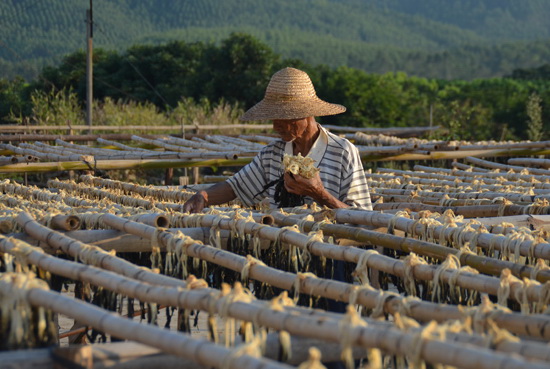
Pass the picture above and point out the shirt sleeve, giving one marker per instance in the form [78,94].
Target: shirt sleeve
[355,190]
[249,182]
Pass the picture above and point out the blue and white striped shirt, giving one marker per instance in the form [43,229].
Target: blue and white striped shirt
[339,164]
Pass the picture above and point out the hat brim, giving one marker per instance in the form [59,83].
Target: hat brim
[271,110]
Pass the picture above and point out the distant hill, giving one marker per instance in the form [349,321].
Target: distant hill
[430,38]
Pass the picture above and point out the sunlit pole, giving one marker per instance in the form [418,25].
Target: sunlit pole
[89,66]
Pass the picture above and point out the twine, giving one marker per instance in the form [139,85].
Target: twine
[215,238]
[156,258]
[361,270]
[182,243]
[521,294]
[403,322]
[15,307]
[453,281]
[296,285]
[406,305]
[540,265]
[506,279]
[313,361]
[482,313]
[381,299]
[418,342]
[250,349]
[544,299]
[348,332]
[227,297]
[410,262]
[250,261]
[497,335]
[451,262]
[354,295]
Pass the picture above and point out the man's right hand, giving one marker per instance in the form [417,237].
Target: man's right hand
[196,203]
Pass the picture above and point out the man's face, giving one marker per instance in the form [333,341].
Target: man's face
[290,129]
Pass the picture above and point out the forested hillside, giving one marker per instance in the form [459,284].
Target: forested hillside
[434,38]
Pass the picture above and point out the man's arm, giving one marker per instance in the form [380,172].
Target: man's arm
[220,193]
[313,188]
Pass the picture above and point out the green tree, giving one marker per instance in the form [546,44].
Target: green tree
[534,123]
[238,70]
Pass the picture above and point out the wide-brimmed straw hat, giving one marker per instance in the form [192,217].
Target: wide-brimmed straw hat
[291,95]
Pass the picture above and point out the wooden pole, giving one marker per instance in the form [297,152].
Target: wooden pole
[373,336]
[120,164]
[95,254]
[89,65]
[481,263]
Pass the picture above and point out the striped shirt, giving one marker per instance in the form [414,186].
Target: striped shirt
[339,164]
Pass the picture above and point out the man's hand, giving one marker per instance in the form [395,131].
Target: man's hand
[313,188]
[196,203]
[296,184]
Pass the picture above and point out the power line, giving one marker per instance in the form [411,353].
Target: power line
[114,87]
[100,29]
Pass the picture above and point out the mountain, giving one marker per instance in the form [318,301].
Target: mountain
[429,38]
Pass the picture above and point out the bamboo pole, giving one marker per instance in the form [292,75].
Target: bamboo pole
[97,256]
[379,262]
[361,138]
[505,145]
[480,283]
[483,264]
[210,354]
[134,355]
[488,164]
[235,142]
[177,195]
[120,164]
[195,143]
[531,221]
[110,239]
[475,184]
[200,351]
[514,197]
[511,176]
[58,222]
[515,320]
[39,154]
[453,179]
[392,131]
[259,138]
[485,240]
[18,159]
[120,145]
[20,128]
[456,154]
[476,211]
[184,298]
[53,137]
[110,154]
[388,198]
[530,162]
[468,167]
[65,222]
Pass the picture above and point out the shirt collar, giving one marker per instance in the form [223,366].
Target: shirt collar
[317,150]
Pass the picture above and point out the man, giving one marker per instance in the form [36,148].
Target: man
[291,103]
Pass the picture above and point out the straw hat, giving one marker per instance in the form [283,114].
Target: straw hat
[291,95]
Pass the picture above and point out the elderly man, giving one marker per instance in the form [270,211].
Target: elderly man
[291,103]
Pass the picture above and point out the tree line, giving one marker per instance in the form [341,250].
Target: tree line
[237,71]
